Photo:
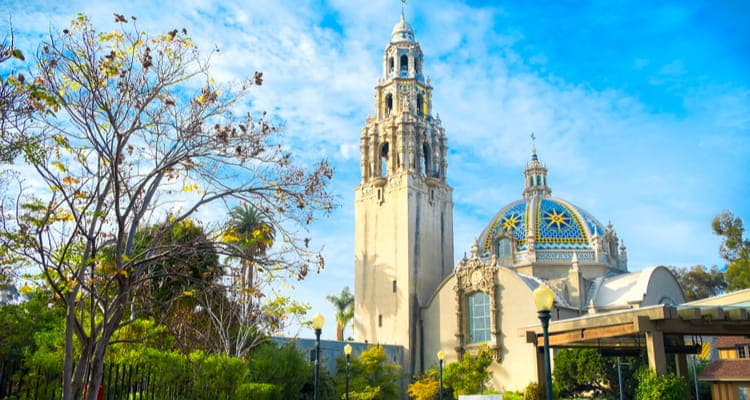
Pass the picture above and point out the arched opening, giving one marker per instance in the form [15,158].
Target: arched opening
[538,180]
[420,104]
[384,159]
[388,104]
[531,181]
[417,65]
[426,158]
[391,64]
[479,317]
[404,63]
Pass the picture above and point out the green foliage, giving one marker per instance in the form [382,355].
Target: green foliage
[666,387]
[258,391]
[221,373]
[579,370]
[470,375]
[738,274]
[735,248]
[513,396]
[699,282]
[285,367]
[425,388]
[371,376]
[533,391]
[21,325]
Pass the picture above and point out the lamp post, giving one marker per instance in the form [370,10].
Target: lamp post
[348,353]
[441,357]
[317,324]
[543,299]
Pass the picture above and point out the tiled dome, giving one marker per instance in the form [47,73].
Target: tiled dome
[555,224]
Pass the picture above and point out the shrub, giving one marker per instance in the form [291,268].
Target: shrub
[513,396]
[426,388]
[665,387]
[533,392]
[257,391]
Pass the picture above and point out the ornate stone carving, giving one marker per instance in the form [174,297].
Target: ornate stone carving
[474,275]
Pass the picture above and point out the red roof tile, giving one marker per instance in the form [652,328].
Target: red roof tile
[729,342]
[727,370]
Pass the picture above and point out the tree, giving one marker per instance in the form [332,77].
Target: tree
[344,304]
[470,375]
[734,248]
[371,376]
[137,128]
[580,370]
[699,282]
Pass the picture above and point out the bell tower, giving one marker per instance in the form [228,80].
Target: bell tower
[403,204]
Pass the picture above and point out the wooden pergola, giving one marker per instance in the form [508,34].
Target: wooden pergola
[661,329]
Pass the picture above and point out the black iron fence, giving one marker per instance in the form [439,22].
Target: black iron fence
[119,382]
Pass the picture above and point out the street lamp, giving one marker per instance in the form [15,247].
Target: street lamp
[543,299]
[317,324]
[441,357]
[348,353]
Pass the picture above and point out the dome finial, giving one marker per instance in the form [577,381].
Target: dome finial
[403,10]
[533,147]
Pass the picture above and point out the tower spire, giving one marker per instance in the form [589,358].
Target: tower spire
[535,175]
[403,10]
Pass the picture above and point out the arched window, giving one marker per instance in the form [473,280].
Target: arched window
[531,181]
[479,317]
[420,104]
[404,63]
[384,159]
[417,66]
[538,180]
[426,157]
[503,248]
[390,64]
[388,104]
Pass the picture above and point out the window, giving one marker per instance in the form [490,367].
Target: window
[380,320]
[384,159]
[479,317]
[742,351]
[538,180]
[503,248]
[390,64]
[394,286]
[404,63]
[744,392]
[426,155]
[420,105]
[388,104]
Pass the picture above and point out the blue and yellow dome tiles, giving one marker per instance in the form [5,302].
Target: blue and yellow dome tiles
[557,225]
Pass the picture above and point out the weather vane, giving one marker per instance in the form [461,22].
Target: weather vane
[403,7]
[533,143]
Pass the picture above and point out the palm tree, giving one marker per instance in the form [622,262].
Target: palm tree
[344,304]
[253,237]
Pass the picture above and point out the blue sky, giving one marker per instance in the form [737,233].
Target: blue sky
[641,108]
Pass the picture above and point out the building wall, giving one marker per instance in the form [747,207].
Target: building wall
[404,248]
[517,365]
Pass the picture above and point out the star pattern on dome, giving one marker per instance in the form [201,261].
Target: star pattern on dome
[559,219]
[512,221]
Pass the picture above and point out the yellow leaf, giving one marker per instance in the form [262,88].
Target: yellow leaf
[69,180]
[59,165]
[26,289]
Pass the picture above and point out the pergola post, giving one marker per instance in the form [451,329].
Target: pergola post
[657,359]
